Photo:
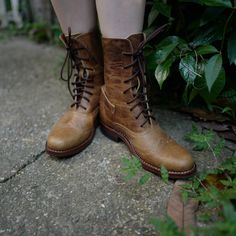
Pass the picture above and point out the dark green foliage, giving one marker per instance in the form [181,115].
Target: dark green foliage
[232,48]
[198,46]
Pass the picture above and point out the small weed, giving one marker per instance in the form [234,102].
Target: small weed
[132,167]
[164,174]
[205,141]
[166,227]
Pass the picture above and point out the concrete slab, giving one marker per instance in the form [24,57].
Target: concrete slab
[83,195]
[31,100]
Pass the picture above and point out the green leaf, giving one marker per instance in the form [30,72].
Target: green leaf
[166,227]
[201,140]
[130,167]
[229,95]
[144,179]
[219,147]
[229,212]
[206,49]
[210,14]
[152,15]
[162,71]
[212,70]
[216,88]
[165,47]
[187,69]
[200,70]
[163,8]
[164,174]
[149,30]
[208,34]
[229,111]
[192,95]
[217,3]
[232,48]
[150,60]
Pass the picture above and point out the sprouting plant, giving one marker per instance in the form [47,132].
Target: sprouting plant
[132,167]
[205,141]
[166,227]
[164,174]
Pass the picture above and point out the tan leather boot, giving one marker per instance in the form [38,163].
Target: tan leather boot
[125,113]
[75,129]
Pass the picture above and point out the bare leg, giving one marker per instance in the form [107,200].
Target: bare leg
[80,15]
[120,18]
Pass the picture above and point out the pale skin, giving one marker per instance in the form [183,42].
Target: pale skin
[79,15]
[117,18]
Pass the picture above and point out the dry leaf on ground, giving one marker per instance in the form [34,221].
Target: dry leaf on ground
[182,213]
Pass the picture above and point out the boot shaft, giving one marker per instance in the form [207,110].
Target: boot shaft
[87,46]
[115,61]
[124,83]
[84,55]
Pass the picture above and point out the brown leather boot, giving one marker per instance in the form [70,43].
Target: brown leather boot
[75,129]
[125,113]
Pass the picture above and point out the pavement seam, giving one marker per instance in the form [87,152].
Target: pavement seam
[22,167]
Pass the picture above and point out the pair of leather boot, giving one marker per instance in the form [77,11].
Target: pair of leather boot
[122,104]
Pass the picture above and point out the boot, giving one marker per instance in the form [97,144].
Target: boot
[75,129]
[125,113]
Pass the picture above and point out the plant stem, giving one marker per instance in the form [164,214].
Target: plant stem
[225,28]
[212,150]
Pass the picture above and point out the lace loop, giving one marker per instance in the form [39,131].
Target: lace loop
[74,61]
[139,79]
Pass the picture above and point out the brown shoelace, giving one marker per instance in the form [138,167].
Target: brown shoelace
[138,79]
[82,81]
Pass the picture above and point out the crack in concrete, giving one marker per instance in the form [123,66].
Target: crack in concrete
[29,162]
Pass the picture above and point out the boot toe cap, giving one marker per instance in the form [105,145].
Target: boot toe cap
[182,162]
[65,139]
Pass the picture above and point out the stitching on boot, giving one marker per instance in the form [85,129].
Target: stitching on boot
[110,106]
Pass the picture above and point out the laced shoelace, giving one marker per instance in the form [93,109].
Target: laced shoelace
[139,79]
[74,62]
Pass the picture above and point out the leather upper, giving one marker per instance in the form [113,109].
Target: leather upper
[78,123]
[149,142]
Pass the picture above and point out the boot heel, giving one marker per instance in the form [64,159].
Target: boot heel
[111,135]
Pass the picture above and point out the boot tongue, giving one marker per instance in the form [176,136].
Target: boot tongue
[91,41]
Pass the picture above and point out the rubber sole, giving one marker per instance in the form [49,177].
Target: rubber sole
[72,151]
[118,136]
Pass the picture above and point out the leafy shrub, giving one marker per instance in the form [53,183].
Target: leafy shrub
[199,46]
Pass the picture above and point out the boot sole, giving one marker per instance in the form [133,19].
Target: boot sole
[118,136]
[72,151]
